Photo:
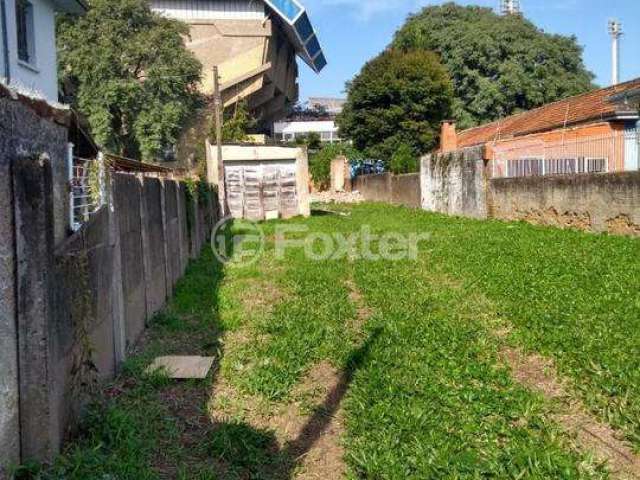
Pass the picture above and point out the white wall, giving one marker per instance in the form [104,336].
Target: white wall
[285,130]
[211,9]
[42,77]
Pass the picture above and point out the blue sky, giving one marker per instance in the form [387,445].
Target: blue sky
[353,31]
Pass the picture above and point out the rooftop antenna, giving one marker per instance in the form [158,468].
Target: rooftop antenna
[615,30]
[510,7]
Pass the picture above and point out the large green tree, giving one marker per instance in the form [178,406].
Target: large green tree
[129,72]
[499,65]
[399,98]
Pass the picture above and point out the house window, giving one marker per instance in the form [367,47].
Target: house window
[24,29]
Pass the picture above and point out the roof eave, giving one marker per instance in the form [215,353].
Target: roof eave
[70,6]
[300,31]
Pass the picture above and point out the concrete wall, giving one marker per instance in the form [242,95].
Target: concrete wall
[22,133]
[127,197]
[597,203]
[153,243]
[70,312]
[405,190]
[374,188]
[389,188]
[455,183]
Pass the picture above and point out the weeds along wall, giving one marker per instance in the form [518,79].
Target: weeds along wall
[82,303]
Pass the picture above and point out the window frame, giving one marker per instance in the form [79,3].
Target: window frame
[25,33]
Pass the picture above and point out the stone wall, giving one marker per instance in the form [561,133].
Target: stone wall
[455,183]
[596,203]
[22,133]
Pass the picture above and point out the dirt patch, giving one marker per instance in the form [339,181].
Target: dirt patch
[336,197]
[363,312]
[261,296]
[589,434]
[623,225]
[550,216]
[317,447]
[308,430]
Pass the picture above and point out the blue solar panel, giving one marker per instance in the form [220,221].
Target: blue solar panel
[296,17]
[313,46]
[320,62]
[303,27]
[286,8]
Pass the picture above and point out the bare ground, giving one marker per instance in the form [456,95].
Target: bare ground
[588,433]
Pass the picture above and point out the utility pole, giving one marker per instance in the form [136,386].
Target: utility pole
[615,30]
[219,108]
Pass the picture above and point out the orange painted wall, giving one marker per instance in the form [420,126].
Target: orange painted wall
[604,139]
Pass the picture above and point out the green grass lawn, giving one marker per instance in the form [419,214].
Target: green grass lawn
[427,395]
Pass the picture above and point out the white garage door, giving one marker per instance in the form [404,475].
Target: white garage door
[258,191]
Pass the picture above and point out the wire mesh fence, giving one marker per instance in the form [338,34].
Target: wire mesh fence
[86,188]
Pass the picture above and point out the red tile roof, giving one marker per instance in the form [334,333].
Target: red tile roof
[589,107]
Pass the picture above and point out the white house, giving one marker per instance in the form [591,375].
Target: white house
[302,124]
[28,43]
[289,130]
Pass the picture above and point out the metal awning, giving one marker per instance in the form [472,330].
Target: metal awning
[300,31]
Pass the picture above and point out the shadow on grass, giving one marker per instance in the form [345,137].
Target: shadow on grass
[151,427]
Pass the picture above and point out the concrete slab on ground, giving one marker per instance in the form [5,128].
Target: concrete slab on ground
[183,368]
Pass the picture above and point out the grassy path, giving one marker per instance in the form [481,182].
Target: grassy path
[385,370]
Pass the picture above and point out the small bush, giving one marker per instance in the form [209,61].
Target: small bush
[404,160]
[320,162]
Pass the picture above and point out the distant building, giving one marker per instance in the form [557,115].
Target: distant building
[28,44]
[318,117]
[333,106]
[596,132]
[254,44]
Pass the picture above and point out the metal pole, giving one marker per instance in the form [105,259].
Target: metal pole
[217,101]
[72,217]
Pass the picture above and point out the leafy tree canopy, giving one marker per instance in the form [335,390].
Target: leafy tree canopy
[237,124]
[128,71]
[399,97]
[499,65]
[404,160]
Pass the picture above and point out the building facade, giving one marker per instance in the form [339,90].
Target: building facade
[28,44]
[597,132]
[254,44]
[322,122]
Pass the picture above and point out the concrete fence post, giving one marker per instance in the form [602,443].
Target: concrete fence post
[34,227]
[165,229]
[146,250]
[9,397]
[117,295]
